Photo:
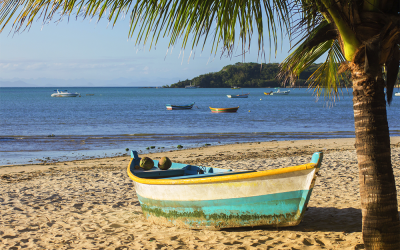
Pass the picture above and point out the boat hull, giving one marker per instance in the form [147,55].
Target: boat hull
[281,93]
[238,96]
[224,110]
[227,204]
[267,198]
[64,95]
[177,107]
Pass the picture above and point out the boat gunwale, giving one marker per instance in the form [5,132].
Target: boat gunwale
[213,179]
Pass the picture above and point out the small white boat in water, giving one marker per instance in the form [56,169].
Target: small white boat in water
[397,94]
[65,93]
[279,92]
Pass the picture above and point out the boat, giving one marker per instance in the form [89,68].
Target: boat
[172,107]
[279,92]
[239,96]
[268,93]
[235,87]
[65,93]
[397,94]
[224,110]
[191,86]
[198,197]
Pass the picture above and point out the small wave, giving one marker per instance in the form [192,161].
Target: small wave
[6,139]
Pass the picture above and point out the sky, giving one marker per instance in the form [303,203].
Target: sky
[91,53]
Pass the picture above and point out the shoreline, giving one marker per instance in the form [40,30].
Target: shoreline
[185,153]
[61,148]
[92,203]
[205,154]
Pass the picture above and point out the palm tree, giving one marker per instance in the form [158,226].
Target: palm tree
[358,36]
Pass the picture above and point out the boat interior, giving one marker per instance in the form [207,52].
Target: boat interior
[179,170]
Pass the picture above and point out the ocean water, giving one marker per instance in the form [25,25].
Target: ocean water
[35,127]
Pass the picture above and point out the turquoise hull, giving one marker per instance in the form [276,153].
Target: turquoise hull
[282,209]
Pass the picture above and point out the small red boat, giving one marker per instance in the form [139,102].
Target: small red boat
[224,110]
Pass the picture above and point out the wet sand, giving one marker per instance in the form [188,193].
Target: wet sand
[91,204]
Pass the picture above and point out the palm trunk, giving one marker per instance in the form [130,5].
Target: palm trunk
[380,217]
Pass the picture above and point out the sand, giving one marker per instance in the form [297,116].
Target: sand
[92,204]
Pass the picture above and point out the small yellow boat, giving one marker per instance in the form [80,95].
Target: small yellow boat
[224,110]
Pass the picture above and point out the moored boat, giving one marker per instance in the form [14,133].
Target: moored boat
[279,92]
[206,197]
[173,107]
[65,93]
[224,110]
[239,96]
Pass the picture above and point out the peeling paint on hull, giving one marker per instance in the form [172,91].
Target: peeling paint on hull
[285,209]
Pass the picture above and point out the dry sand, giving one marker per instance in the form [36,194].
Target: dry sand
[92,204]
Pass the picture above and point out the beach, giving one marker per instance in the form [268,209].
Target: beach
[92,204]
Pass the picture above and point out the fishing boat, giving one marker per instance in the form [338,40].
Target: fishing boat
[199,197]
[279,92]
[65,93]
[224,110]
[397,94]
[172,107]
[239,96]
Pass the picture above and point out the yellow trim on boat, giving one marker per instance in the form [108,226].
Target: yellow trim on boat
[220,178]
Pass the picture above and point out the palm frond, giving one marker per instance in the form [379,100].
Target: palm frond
[327,77]
[181,21]
[304,55]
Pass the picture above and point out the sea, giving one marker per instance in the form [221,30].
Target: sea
[111,121]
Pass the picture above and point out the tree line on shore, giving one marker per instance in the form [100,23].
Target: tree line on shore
[245,75]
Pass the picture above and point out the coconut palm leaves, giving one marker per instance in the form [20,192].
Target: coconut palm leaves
[181,21]
[315,43]
[328,77]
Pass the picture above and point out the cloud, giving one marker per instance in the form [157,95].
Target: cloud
[35,66]
[9,66]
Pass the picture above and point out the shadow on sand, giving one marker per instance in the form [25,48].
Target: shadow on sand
[322,219]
